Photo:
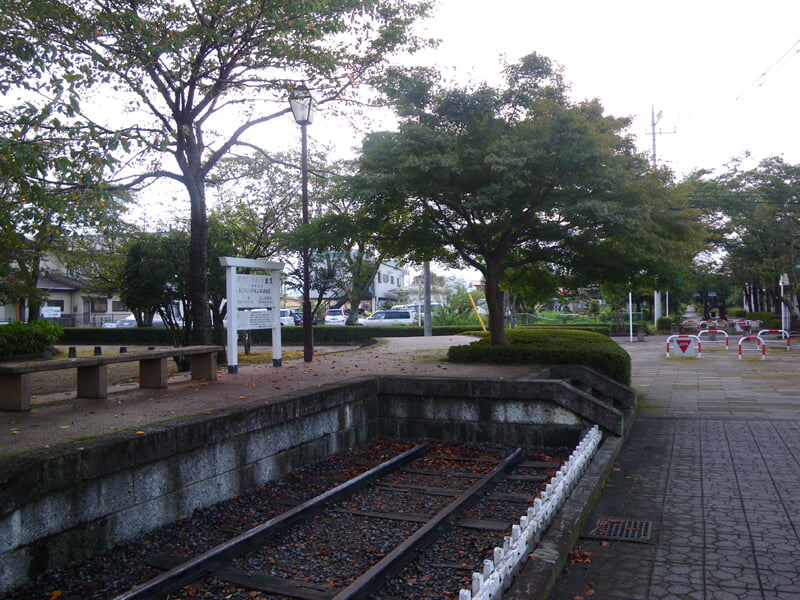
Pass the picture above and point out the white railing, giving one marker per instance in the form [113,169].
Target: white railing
[499,571]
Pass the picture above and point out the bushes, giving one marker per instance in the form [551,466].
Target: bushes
[604,328]
[666,323]
[769,319]
[736,313]
[19,339]
[550,347]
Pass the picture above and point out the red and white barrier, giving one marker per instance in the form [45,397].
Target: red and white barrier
[783,333]
[690,324]
[684,345]
[714,331]
[760,346]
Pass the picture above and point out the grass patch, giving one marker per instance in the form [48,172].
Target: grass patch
[257,358]
[550,347]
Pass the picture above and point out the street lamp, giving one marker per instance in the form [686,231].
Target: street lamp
[303,106]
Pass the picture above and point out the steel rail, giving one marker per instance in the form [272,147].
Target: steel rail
[192,569]
[393,562]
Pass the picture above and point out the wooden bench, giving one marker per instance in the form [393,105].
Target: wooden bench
[15,378]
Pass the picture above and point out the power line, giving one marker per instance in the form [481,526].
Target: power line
[761,79]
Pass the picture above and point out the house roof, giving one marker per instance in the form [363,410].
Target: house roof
[59,283]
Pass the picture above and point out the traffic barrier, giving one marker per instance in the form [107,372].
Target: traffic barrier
[784,336]
[712,339]
[760,346]
[714,324]
[686,345]
[746,325]
[690,324]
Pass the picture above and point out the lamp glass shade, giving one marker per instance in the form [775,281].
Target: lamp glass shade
[303,106]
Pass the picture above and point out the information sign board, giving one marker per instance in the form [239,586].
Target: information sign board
[258,291]
[256,319]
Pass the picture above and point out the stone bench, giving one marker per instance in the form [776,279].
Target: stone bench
[15,378]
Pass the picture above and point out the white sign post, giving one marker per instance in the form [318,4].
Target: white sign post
[252,292]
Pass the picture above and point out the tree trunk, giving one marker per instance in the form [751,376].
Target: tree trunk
[494,302]
[198,257]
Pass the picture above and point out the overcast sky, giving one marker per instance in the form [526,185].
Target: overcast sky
[699,63]
[724,75]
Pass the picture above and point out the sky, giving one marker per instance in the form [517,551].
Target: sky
[725,76]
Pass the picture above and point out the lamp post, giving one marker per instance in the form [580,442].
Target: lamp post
[303,106]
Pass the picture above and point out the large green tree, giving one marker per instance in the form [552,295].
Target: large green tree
[755,213]
[516,177]
[194,78]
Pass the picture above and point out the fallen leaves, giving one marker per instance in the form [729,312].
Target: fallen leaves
[579,555]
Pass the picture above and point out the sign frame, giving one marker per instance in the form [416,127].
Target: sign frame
[244,290]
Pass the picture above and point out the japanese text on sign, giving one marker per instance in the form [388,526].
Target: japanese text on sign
[258,291]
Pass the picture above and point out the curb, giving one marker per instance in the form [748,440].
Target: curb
[539,575]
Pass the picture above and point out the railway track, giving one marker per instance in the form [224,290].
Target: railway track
[419,525]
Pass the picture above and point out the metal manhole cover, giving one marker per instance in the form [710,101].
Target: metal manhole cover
[622,529]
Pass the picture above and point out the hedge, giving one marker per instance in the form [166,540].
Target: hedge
[550,347]
[159,336]
[771,320]
[21,339]
[604,328]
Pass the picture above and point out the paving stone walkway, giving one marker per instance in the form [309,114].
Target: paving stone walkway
[712,465]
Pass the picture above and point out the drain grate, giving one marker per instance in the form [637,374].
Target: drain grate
[622,529]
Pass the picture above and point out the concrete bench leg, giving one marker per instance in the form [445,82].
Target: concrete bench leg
[204,366]
[93,382]
[153,373]
[15,392]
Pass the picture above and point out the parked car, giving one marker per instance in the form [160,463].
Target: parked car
[298,319]
[391,317]
[288,317]
[130,321]
[336,316]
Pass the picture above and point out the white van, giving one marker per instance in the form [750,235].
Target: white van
[391,317]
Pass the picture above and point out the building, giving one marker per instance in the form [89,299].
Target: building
[67,302]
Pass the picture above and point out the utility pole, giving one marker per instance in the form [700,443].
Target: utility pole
[654,119]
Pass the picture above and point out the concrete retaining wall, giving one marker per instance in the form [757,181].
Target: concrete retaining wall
[79,499]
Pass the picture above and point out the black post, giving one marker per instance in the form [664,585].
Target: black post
[308,332]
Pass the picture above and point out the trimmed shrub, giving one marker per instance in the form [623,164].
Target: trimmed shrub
[666,323]
[736,313]
[160,336]
[20,339]
[550,347]
[604,328]
[624,327]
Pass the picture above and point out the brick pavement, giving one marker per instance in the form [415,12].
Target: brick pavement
[713,464]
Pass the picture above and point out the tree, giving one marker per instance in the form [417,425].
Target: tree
[512,178]
[52,159]
[361,238]
[44,223]
[756,214]
[190,69]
